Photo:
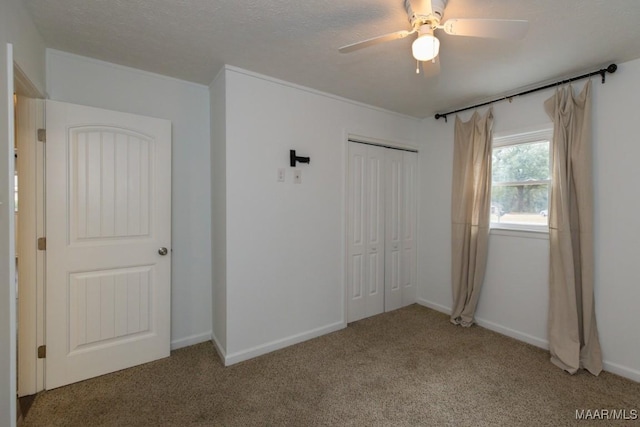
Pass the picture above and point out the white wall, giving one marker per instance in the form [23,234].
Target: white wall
[285,241]
[28,46]
[81,80]
[515,292]
[218,101]
[16,28]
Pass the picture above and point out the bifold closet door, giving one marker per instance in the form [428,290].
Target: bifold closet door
[408,275]
[365,230]
[381,224]
[400,247]
[393,230]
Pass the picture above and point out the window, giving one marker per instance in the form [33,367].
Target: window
[521,178]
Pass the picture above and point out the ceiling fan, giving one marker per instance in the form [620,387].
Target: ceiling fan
[425,17]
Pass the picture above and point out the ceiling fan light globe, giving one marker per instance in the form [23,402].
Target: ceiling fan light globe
[425,47]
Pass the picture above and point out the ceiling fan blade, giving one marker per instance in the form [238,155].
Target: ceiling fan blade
[375,40]
[490,28]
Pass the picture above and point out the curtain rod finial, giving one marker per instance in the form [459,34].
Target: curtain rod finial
[438,116]
[610,69]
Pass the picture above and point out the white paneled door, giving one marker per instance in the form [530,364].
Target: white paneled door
[381,250]
[108,222]
[365,265]
[409,274]
[393,242]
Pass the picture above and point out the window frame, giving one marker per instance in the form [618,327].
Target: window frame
[510,138]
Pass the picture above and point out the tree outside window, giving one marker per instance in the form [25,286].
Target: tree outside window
[521,179]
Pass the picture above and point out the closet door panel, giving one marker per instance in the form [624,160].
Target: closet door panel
[356,205]
[365,245]
[375,231]
[393,225]
[409,249]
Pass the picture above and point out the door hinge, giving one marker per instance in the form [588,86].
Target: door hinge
[42,135]
[42,352]
[42,244]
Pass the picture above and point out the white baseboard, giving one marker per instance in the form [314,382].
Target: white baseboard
[219,348]
[437,307]
[623,371]
[250,353]
[520,336]
[492,326]
[190,340]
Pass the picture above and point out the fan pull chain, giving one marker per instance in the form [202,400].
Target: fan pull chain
[417,67]
[433,60]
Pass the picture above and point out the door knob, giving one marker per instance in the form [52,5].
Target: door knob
[163,251]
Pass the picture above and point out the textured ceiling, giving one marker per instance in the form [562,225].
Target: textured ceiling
[298,41]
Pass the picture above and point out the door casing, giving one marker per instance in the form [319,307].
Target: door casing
[30,268]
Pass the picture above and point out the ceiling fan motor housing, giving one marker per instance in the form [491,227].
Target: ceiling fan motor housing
[431,15]
[437,8]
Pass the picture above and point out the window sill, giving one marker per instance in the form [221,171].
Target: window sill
[518,232]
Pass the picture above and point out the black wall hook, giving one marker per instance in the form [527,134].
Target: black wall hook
[293,158]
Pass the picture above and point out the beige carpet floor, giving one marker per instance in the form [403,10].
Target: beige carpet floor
[409,367]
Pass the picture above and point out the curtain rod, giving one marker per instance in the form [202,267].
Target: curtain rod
[603,71]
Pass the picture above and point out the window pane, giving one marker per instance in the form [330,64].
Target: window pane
[520,204]
[521,162]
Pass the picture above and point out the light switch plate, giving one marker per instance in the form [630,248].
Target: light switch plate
[297,176]
[281,175]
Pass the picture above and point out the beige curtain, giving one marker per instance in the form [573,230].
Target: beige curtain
[573,335]
[470,206]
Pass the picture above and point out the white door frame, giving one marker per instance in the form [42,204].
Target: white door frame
[360,138]
[30,269]
[8,402]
